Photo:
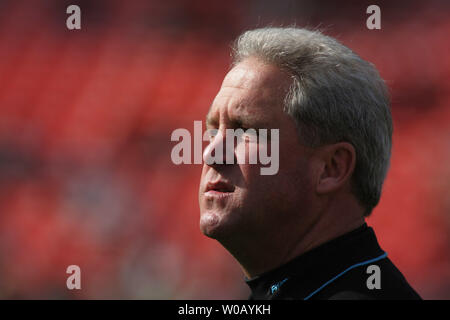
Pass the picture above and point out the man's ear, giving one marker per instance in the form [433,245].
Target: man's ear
[336,168]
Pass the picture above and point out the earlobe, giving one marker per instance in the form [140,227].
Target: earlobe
[338,163]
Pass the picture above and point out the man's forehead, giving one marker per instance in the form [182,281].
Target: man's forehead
[241,76]
[252,73]
[240,106]
[250,85]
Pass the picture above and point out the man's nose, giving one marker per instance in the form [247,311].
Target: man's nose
[217,152]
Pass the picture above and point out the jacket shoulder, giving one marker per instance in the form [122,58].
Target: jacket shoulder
[383,282]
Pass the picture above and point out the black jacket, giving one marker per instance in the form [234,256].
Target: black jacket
[352,266]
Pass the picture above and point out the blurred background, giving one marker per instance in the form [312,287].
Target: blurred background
[86,115]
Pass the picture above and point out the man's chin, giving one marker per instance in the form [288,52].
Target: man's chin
[211,225]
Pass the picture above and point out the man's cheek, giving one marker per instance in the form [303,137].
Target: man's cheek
[246,151]
[259,151]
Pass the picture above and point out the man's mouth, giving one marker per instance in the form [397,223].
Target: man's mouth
[219,188]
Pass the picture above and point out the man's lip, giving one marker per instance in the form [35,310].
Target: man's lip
[219,186]
[212,194]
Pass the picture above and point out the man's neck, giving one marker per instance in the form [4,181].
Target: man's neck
[259,255]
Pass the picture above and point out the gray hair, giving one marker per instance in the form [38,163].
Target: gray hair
[335,96]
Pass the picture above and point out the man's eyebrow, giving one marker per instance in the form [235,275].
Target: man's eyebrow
[237,120]
[210,120]
[248,120]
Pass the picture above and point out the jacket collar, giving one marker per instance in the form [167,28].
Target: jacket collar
[311,270]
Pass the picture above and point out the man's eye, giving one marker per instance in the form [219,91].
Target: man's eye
[212,133]
[250,132]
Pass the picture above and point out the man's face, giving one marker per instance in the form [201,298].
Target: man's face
[235,199]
